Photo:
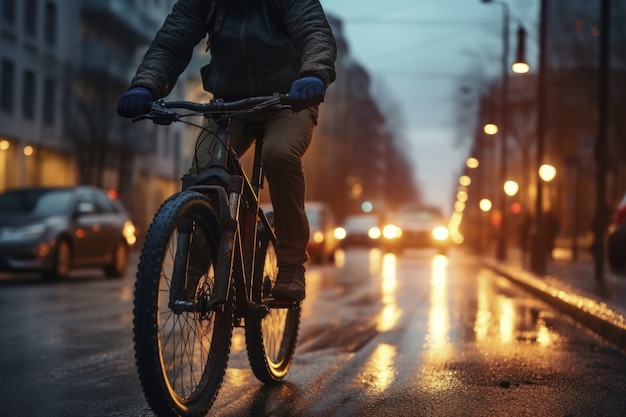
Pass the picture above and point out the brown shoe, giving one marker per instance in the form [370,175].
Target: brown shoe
[289,283]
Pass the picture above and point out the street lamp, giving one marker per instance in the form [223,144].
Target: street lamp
[504,99]
[538,254]
[520,66]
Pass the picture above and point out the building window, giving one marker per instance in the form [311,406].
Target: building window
[8,11]
[28,95]
[30,17]
[8,81]
[50,24]
[49,95]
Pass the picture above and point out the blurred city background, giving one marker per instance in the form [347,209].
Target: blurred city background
[64,64]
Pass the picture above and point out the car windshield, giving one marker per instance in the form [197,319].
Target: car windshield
[360,222]
[35,202]
[417,216]
[313,216]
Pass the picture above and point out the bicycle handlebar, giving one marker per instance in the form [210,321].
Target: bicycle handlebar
[160,111]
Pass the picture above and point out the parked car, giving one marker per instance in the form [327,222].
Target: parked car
[359,230]
[322,241]
[53,230]
[418,226]
[616,248]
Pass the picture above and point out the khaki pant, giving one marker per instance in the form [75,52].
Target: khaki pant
[287,137]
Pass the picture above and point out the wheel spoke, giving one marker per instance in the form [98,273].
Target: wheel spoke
[271,339]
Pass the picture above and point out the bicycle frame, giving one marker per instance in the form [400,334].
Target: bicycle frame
[237,201]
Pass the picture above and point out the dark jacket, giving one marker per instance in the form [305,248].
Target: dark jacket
[258,47]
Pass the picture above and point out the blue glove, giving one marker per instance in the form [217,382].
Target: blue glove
[306,92]
[134,102]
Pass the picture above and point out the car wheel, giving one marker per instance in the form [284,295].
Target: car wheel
[61,261]
[616,253]
[119,262]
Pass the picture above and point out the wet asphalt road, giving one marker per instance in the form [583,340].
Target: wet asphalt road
[415,335]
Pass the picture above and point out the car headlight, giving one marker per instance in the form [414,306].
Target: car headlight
[340,233]
[391,231]
[374,233]
[32,231]
[129,233]
[440,233]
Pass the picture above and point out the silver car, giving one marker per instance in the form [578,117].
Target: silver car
[55,229]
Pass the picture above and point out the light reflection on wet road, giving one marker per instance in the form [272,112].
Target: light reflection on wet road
[415,335]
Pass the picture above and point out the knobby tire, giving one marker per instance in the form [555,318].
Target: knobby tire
[270,339]
[181,354]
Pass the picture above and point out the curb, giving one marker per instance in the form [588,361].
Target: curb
[596,316]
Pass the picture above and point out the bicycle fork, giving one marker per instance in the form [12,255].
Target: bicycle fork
[192,258]
[226,252]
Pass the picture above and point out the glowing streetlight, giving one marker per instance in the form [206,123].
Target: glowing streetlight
[367,207]
[520,67]
[465,181]
[485,204]
[490,129]
[511,188]
[472,163]
[547,172]
[462,195]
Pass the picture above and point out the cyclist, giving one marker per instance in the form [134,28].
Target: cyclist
[258,47]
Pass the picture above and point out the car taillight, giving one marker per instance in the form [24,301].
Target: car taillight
[620,214]
[318,237]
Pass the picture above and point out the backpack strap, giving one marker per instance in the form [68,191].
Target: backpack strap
[211,13]
[215,16]
[213,21]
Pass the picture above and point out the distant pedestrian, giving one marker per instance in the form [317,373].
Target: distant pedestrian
[552,225]
[601,221]
[524,235]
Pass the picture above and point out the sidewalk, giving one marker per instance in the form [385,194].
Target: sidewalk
[572,288]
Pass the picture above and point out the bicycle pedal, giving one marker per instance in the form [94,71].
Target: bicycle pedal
[271,303]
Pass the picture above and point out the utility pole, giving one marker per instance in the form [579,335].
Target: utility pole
[538,255]
[501,247]
[602,139]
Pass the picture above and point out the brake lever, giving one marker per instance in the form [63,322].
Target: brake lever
[142,117]
[274,101]
[159,114]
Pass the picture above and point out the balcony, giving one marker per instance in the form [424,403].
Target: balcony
[118,135]
[98,58]
[122,18]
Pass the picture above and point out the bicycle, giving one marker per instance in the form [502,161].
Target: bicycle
[207,265]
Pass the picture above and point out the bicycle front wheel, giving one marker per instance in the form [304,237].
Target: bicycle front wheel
[270,338]
[181,345]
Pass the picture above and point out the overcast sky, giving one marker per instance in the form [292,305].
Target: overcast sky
[420,51]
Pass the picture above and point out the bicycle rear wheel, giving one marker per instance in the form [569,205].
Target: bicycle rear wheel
[181,346]
[270,338]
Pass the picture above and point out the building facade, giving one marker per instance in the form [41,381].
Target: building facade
[64,64]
